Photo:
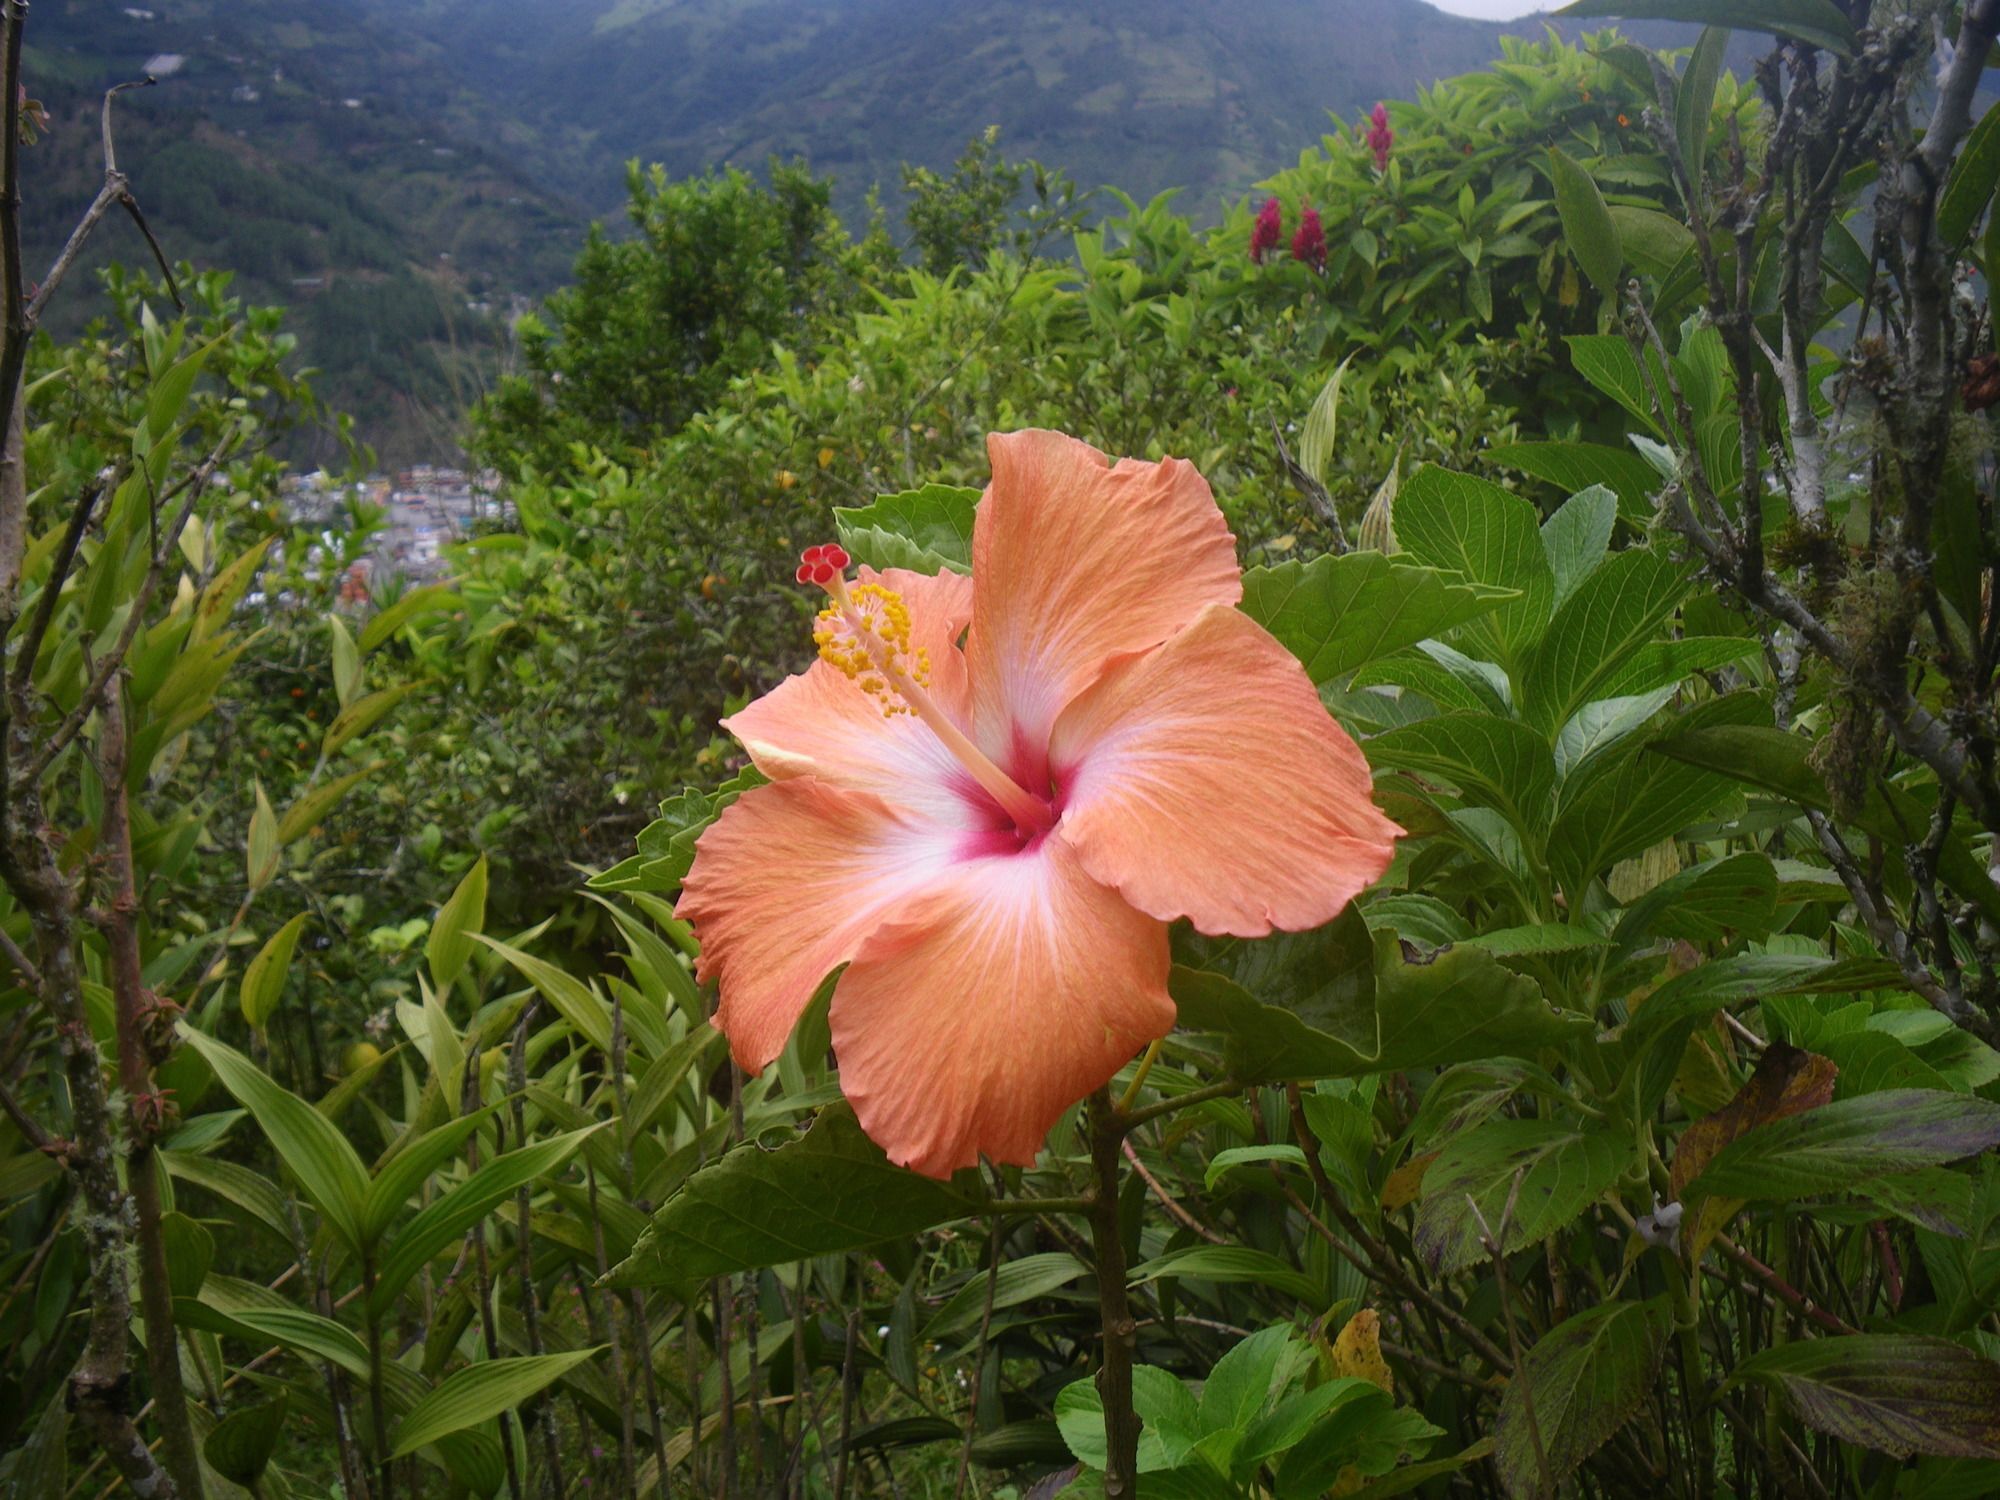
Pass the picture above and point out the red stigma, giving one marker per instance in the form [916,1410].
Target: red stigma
[812,554]
[804,573]
[834,553]
[823,573]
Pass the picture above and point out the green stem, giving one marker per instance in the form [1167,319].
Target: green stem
[1114,1375]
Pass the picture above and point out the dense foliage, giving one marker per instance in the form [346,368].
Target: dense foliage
[1610,442]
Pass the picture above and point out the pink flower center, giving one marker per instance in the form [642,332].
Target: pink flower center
[864,633]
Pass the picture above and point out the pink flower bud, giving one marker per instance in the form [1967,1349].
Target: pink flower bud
[1270,230]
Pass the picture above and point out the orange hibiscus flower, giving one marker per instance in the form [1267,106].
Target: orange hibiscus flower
[993,836]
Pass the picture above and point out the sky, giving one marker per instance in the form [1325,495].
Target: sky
[1496,10]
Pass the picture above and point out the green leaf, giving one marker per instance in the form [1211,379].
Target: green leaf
[1898,1393]
[303,815]
[1233,1263]
[1459,1005]
[452,1213]
[1576,466]
[1337,613]
[1536,938]
[311,1147]
[1828,1149]
[228,586]
[293,1328]
[1018,1281]
[1969,188]
[1322,422]
[1454,521]
[1618,609]
[1780,762]
[1262,1043]
[424,601]
[1169,1422]
[1816,21]
[264,979]
[363,714]
[1705,903]
[1584,1379]
[170,391]
[346,661]
[1694,101]
[449,946]
[255,1194]
[1606,361]
[1654,242]
[1224,1162]
[190,1251]
[1587,226]
[1577,536]
[573,1000]
[1563,1169]
[240,1446]
[829,1190]
[406,1171]
[469,1396]
[1494,762]
[260,857]
[927,530]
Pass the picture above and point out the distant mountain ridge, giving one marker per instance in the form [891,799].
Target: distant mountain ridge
[405,172]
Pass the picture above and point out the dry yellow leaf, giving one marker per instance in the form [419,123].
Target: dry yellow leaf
[1358,1351]
[1406,1182]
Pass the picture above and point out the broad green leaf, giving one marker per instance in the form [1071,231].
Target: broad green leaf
[469,1396]
[424,601]
[1726,981]
[1563,1169]
[305,814]
[1780,762]
[310,1145]
[1969,188]
[927,530]
[1596,731]
[1234,1263]
[1587,225]
[294,1328]
[1494,762]
[1337,613]
[405,1172]
[240,1446]
[190,1251]
[1264,1043]
[573,1000]
[261,848]
[1537,938]
[1606,361]
[264,979]
[363,714]
[1705,903]
[1584,1379]
[170,391]
[1018,1281]
[829,1190]
[453,1212]
[1239,1385]
[1460,1004]
[1827,1150]
[450,944]
[1454,521]
[1654,242]
[346,661]
[1819,22]
[1694,102]
[1169,1423]
[255,1194]
[1225,1162]
[1619,608]
[1577,466]
[1898,1393]
[1577,535]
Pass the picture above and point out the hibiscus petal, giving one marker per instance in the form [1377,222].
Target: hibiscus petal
[1074,561]
[973,1018]
[819,723]
[1204,779]
[786,885]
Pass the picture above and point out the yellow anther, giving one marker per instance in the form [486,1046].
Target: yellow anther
[867,633]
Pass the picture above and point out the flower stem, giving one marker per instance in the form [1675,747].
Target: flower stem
[1114,1375]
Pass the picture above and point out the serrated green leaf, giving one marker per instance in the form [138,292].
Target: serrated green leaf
[926,530]
[1827,1149]
[1563,1169]
[1898,1393]
[1577,536]
[1583,1380]
[1466,525]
